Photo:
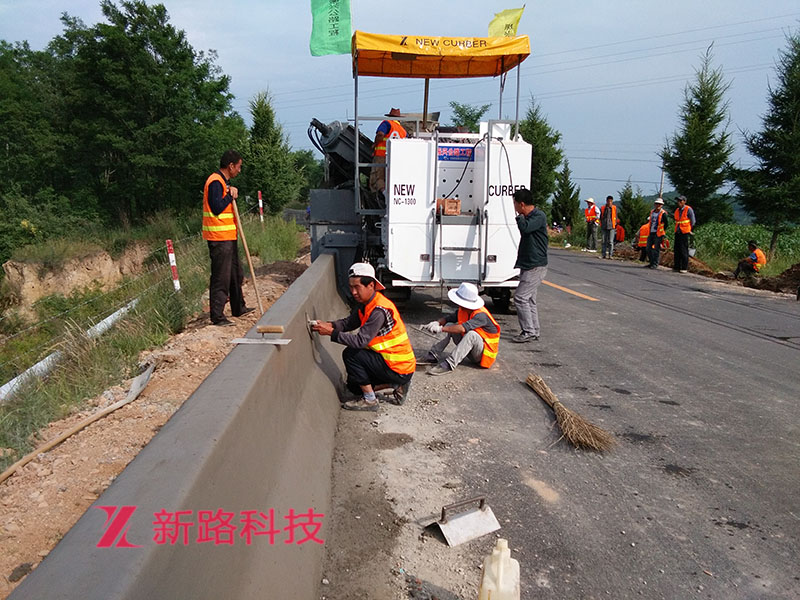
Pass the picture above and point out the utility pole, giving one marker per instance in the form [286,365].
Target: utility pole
[661,185]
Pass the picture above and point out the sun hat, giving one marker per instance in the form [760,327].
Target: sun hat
[395,112]
[590,200]
[365,270]
[659,201]
[466,296]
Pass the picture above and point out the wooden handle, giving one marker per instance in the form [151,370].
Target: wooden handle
[269,329]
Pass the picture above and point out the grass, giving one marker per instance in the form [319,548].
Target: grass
[90,366]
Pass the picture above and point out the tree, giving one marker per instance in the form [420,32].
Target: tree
[770,191]
[269,165]
[633,209]
[312,170]
[696,160]
[468,116]
[545,155]
[566,198]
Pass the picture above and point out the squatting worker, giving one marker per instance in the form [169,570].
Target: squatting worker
[219,229]
[471,328]
[388,128]
[379,356]
[531,262]
[753,263]
[658,225]
[684,225]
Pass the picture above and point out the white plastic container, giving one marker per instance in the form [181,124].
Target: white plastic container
[500,574]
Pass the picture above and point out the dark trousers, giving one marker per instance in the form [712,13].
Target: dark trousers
[367,367]
[591,236]
[654,248]
[745,267]
[226,279]
[681,252]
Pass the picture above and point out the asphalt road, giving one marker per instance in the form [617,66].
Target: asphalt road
[699,381]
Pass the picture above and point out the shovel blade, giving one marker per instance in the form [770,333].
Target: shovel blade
[469,525]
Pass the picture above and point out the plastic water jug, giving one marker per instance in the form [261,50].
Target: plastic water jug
[500,574]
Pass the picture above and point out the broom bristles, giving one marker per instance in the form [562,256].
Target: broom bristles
[574,428]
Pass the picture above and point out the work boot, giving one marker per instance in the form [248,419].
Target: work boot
[400,394]
[440,369]
[361,404]
[223,322]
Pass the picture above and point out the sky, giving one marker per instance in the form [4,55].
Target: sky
[609,75]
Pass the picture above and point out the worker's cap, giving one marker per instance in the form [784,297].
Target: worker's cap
[365,270]
[681,198]
[590,201]
[466,295]
[659,201]
[752,243]
[395,112]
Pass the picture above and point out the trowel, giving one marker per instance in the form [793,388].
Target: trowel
[460,527]
[262,329]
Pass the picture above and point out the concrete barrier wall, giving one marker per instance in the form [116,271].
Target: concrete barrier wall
[258,434]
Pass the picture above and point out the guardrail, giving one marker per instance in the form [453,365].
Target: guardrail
[254,441]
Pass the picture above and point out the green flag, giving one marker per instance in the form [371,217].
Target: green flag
[330,31]
[505,22]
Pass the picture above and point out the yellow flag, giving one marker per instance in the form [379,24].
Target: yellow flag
[505,22]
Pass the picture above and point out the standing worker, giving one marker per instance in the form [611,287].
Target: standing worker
[471,328]
[387,129]
[608,223]
[753,263]
[684,225]
[531,262]
[380,355]
[219,230]
[592,214]
[658,224]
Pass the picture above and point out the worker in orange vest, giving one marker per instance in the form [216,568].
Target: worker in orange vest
[753,263]
[388,129]
[379,356]
[219,230]
[684,225]
[471,328]
[658,224]
[641,241]
[619,236]
[592,214]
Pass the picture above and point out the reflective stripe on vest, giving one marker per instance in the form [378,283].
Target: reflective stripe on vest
[760,261]
[221,227]
[682,222]
[491,341]
[644,231]
[660,227]
[394,347]
[591,214]
[395,131]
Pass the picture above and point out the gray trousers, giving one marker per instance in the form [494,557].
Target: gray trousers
[591,236]
[467,344]
[525,299]
[608,241]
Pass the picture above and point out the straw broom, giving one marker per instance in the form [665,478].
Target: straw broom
[578,431]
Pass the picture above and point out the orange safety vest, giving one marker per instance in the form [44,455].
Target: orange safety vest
[221,227]
[660,227]
[761,259]
[682,221]
[491,341]
[395,131]
[394,347]
[591,214]
[620,236]
[613,212]
[644,231]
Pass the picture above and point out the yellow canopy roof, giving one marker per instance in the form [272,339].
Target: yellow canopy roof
[436,57]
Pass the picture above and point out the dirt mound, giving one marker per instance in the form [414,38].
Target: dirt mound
[787,282]
[667,259]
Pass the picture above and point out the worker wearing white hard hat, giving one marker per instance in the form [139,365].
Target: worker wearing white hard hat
[658,230]
[471,328]
[592,214]
[379,355]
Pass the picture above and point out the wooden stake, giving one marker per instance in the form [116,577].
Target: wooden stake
[247,253]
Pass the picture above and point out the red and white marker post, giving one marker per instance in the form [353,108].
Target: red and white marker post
[174,265]
[260,207]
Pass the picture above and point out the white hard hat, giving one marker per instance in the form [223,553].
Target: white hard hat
[365,270]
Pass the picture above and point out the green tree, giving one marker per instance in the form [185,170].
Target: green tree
[468,116]
[312,170]
[770,191]
[148,116]
[566,198]
[696,159]
[546,154]
[269,164]
[633,209]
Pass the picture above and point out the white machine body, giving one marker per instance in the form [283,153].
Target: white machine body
[425,247]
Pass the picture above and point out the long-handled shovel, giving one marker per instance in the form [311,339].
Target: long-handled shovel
[247,253]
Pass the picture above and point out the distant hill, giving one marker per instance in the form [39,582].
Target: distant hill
[740,215]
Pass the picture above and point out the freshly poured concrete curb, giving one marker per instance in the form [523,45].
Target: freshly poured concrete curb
[257,434]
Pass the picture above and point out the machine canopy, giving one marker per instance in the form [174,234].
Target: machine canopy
[381,55]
